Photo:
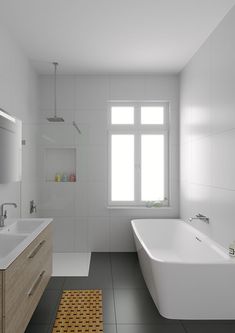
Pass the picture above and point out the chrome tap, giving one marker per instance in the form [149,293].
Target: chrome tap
[200,217]
[3,215]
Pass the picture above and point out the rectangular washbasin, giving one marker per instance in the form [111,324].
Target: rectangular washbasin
[8,243]
[23,226]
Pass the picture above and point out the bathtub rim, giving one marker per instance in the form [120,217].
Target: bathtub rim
[223,252]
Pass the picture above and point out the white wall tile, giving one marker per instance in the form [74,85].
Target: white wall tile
[127,87]
[97,163]
[57,134]
[82,160]
[222,218]
[200,125]
[201,161]
[121,235]
[207,121]
[223,76]
[97,199]
[185,105]
[58,199]
[223,160]
[81,235]
[185,162]
[185,200]
[91,92]
[63,234]
[98,234]
[46,92]
[81,199]
[66,93]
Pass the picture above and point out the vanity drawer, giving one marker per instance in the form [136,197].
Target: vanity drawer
[25,280]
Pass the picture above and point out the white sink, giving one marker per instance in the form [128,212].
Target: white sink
[23,226]
[16,235]
[8,243]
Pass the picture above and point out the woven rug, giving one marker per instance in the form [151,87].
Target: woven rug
[79,311]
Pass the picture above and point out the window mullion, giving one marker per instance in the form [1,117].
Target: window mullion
[137,168]
[137,156]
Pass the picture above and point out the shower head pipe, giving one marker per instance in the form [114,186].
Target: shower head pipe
[55,118]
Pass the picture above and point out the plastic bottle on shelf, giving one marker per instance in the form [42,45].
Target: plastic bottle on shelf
[72,177]
[57,178]
[64,177]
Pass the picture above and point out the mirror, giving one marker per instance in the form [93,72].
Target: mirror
[10,148]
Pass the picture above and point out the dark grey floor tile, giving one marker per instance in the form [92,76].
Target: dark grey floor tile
[135,306]
[46,309]
[76,283]
[100,276]
[94,281]
[101,261]
[56,283]
[158,328]
[110,329]
[108,307]
[210,328]
[37,329]
[117,256]
[126,271]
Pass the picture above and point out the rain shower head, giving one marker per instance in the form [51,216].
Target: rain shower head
[55,118]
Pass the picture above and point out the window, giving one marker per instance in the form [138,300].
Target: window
[138,153]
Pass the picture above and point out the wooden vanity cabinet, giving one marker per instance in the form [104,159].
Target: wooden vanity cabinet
[23,283]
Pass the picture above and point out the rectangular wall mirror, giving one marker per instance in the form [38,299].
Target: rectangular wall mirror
[10,148]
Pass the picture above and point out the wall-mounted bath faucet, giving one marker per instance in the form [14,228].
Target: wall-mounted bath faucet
[3,215]
[200,217]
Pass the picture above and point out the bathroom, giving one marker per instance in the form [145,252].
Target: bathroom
[174,56]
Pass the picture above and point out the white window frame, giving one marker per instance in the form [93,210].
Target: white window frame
[137,129]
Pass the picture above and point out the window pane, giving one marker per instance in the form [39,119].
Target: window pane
[122,115]
[152,115]
[122,167]
[152,167]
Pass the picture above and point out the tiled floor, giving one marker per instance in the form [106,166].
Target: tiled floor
[127,305]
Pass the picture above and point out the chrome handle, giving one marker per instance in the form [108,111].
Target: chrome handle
[36,249]
[34,287]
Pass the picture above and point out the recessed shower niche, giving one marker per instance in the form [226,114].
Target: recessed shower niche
[60,164]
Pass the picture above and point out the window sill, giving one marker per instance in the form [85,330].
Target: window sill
[139,207]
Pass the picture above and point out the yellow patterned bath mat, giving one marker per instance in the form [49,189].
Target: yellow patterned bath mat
[79,311]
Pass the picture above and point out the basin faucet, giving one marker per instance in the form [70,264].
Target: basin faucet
[200,217]
[3,215]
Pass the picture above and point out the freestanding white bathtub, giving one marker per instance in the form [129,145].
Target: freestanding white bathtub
[188,274]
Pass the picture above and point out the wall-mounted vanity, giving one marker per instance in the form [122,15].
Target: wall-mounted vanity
[25,269]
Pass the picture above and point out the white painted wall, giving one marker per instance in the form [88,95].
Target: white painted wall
[207,138]
[81,219]
[18,96]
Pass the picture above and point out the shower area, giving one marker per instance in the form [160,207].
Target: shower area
[59,146]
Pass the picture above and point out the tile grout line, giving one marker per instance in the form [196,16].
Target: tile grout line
[56,308]
[184,328]
[114,303]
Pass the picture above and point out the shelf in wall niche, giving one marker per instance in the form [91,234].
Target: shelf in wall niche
[54,182]
[59,160]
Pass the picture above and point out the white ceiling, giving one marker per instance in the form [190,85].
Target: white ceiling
[112,36]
